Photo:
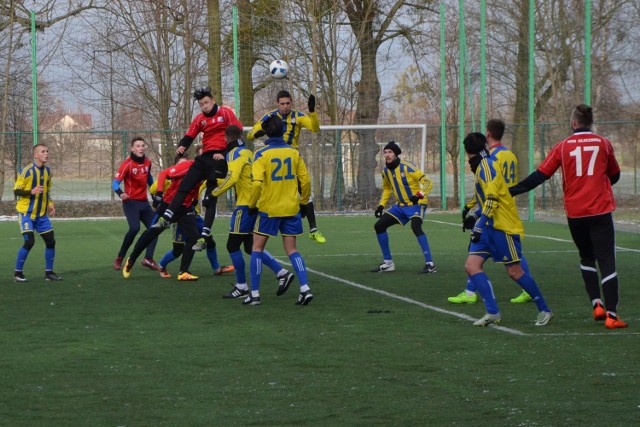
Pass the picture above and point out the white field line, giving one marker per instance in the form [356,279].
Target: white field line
[555,239]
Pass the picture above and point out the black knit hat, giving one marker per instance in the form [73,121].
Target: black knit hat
[393,147]
[475,142]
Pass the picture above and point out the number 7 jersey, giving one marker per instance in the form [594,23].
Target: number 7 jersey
[587,161]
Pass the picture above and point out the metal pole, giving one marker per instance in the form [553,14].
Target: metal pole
[483,65]
[443,113]
[34,78]
[532,28]
[587,52]
[236,78]
[461,98]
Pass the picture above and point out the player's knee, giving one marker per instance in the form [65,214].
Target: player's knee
[177,249]
[588,261]
[416,227]
[515,271]
[29,241]
[49,240]
[381,225]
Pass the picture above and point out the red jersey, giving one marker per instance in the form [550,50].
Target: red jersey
[587,162]
[175,174]
[136,176]
[213,128]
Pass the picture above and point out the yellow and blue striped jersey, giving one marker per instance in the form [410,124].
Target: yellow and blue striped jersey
[292,123]
[239,161]
[31,176]
[492,194]
[404,181]
[507,162]
[280,180]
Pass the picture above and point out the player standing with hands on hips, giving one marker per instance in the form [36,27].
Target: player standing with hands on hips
[589,169]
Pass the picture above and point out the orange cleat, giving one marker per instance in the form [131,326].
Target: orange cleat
[614,323]
[599,312]
[224,269]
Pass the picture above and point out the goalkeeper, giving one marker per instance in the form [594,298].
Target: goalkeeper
[410,187]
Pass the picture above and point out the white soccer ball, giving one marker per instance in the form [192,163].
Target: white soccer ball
[279,69]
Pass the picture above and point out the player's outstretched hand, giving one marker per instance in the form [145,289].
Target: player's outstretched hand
[311,103]
[469,222]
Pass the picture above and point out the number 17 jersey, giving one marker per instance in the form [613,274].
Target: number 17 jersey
[587,161]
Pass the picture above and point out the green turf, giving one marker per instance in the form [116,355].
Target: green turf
[96,350]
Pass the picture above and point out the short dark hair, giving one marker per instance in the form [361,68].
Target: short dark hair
[475,142]
[273,126]
[200,93]
[496,127]
[583,115]
[136,138]
[233,131]
[283,94]
[177,158]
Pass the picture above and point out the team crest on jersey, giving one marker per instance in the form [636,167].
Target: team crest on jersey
[134,171]
[220,119]
[203,123]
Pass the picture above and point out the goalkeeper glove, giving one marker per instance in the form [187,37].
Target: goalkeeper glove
[465,211]
[157,199]
[476,234]
[259,133]
[311,103]
[379,210]
[303,211]
[469,222]
[416,197]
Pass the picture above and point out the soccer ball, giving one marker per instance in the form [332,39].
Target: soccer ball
[279,69]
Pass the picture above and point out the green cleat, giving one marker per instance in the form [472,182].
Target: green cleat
[318,237]
[522,298]
[463,298]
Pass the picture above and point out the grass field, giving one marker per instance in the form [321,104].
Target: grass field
[371,349]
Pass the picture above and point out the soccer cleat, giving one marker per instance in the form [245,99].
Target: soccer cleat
[599,313]
[201,244]
[164,273]
[19,277]
[304,298]
[50,276]
[236,293]
[117,263]
[251,300]
[385,267]
[488,319]
[150,264]
[224,269]
[613,322]
[523,297]
[162,223]
[187,277]
[463,298]
[544,317]
[318,237]
[126,271]
[283,282]
[429,268]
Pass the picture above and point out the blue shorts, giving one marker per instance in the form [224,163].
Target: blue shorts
[403,214]
[241,221]
[40,225]
[504,248]
[178,234]
[287,226]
